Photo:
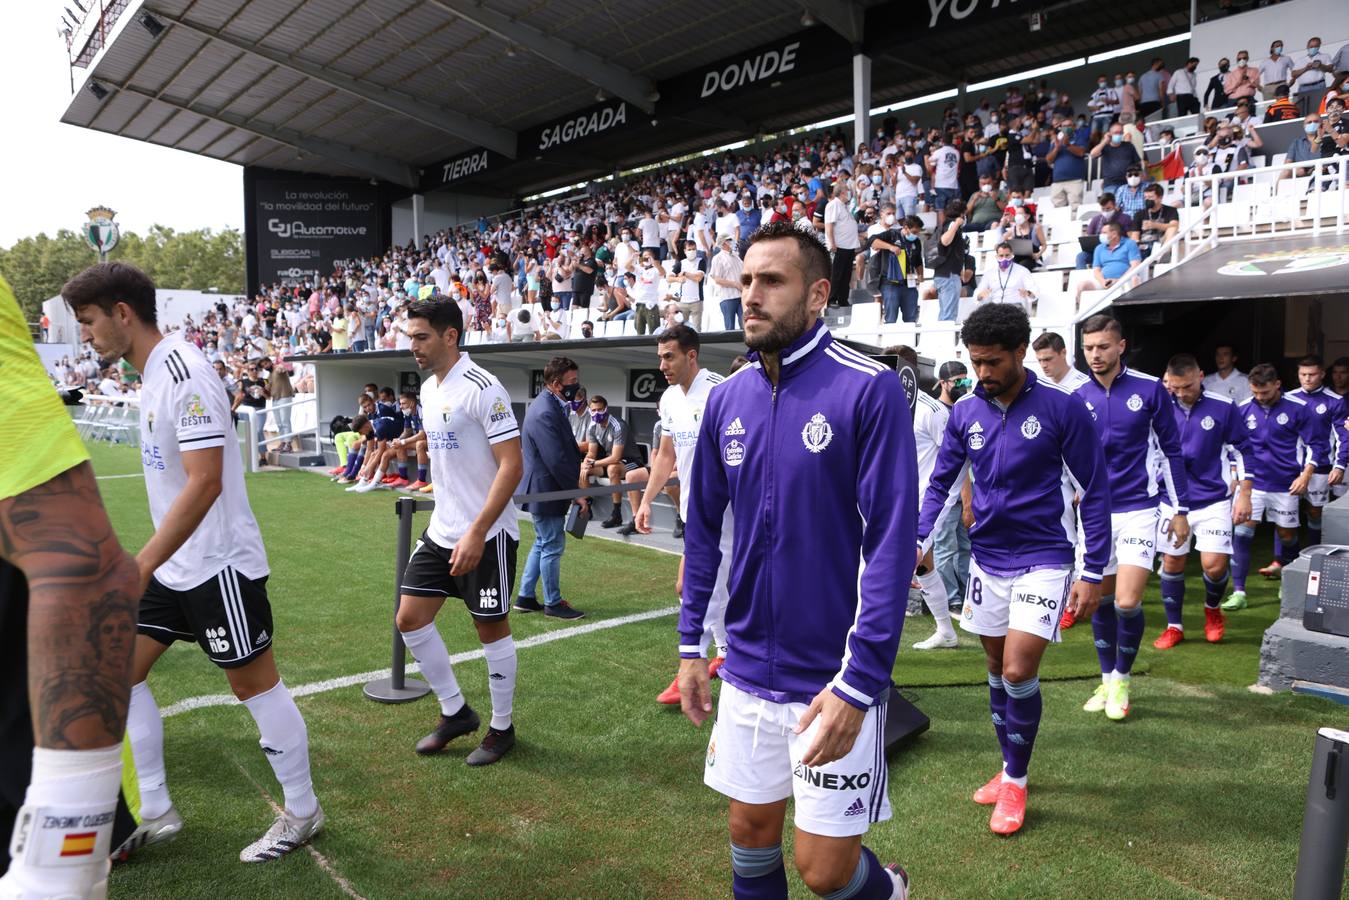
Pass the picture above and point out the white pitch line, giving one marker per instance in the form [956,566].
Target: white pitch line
[106,477]
[333,684]
[319,858]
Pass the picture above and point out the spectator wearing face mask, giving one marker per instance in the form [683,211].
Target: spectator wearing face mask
[1154,224]
[984,207]
[1243,81]
[1018,169]
[1110,212]
[948,262]
[1019,224]
[1066,157]
[842,239]
[1008,282]
[951,542]
[1103,105]
[1274,71]
[900,263]
[1227,153]
[724,278]
[748,218]
[1215,97]
[1183,89]
[1309,76]
[1117,157]
[1129,196]
[1129,95]
[686,284]
[646,297]
[944,168]
[1282,109]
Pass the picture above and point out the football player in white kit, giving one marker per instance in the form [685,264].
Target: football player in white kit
[204,572]
[929,424]
[469,548]
[681,413]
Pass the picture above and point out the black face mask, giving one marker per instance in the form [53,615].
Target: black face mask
[569,391]
[1150,204]
[959,387]
[1223,68]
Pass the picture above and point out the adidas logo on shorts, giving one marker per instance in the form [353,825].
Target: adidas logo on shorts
[735,428]
[1045,619]
[261,638]
[858,808]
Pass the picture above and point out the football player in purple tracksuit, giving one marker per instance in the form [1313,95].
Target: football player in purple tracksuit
[1132,415]
[811,445]
[1212,440]
[1286,449]
[1030,446]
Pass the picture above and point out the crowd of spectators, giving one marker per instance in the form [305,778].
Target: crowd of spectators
[664,247]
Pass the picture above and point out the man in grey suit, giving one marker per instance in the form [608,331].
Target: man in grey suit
[552,463]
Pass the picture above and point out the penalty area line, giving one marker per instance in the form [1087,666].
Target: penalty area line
[345,681]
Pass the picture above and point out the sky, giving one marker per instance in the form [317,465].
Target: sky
[55,172]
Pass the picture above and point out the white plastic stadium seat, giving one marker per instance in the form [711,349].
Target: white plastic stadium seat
[927,309]
[1054,309]
[1048,282]
[866,317]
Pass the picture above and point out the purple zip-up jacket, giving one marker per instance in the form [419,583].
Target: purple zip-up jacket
[1283,439]
[1328,410]
[1028,460]
[822,480]
[1212,440]
[1142,446]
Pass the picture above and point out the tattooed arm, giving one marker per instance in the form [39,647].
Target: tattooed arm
[83,591]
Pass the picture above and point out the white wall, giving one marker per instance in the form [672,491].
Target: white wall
[1291,22]
[443,210]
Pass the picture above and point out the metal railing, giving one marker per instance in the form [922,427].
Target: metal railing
[112,419]
[1326,198]
[255,422]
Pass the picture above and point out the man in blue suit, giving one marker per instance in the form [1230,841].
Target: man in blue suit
[552,463]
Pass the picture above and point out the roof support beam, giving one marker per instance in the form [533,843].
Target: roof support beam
[370,164]
[842,16]
[448,121]
[636,89]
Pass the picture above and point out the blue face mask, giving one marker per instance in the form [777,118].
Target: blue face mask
[910,237]
[1310,127]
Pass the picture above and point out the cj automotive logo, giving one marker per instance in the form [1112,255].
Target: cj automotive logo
[314,232]
[1288,262]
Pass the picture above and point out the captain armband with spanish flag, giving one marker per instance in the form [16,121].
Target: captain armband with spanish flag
[63,833]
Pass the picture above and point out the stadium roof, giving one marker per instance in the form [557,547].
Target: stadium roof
[510,96]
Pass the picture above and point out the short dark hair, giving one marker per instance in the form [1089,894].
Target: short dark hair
[1050,340]
[1102,322]
[904,352]
[411,395]
[439,314]
[1114,226]
[1105,197]
[359,422]
[955,209]
[1002,324]
[1340,363]
[814,258]
[682,334]
[371,384]
[1263,374]
[557,368]
[599,398]
[524,316]
[1005,245]
[106,284]
[1154,188]
[739,363]
[1311,360]
[1182,364]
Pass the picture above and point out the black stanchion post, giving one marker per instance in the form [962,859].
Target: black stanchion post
[1325,823]
[397,688]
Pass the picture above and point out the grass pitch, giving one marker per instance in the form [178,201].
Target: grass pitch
[1198,794]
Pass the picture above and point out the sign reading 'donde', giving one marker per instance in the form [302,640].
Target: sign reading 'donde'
[763,65]
[308,227]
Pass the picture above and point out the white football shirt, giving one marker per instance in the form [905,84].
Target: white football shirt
[681,415]
[929,424]
[1235,386]
[463,417]
[1072,379]
[184,407]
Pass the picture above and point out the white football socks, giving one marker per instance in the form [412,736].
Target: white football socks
[145,728]
[285,741]
[428,648]
[500,656]
[934,595]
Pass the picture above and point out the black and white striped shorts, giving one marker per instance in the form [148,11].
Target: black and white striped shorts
[229,615]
